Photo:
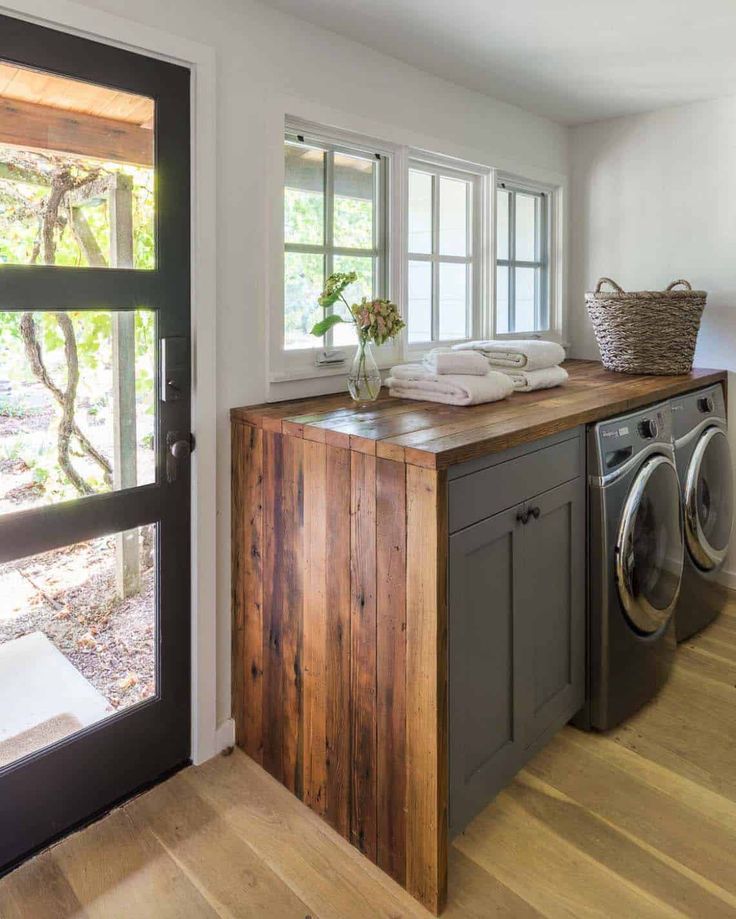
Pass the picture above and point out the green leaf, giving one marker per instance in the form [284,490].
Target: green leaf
[324,325]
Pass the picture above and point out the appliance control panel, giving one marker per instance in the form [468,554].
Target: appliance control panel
[619,439]
[694,408]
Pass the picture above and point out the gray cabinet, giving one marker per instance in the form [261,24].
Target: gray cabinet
[516,619]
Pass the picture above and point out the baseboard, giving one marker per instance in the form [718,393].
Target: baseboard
[726,578]
[225,735]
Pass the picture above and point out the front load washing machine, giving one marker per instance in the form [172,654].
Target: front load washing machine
[704,465]
[636,558]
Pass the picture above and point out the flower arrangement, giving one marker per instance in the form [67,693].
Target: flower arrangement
[376,321]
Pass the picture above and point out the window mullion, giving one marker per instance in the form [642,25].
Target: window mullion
[329,229]
[538,255]
[435,253]
[512,261]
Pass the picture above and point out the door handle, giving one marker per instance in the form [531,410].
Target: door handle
[178,447]
[524,515]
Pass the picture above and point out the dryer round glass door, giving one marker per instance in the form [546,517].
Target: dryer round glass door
[650,548]
[709,500]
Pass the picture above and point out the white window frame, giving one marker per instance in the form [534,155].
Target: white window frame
[551,255]
[479,178]
[309,363]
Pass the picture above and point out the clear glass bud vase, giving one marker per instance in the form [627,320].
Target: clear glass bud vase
[364,378]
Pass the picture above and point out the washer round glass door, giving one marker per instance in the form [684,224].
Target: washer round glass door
[650,548]
[709,500]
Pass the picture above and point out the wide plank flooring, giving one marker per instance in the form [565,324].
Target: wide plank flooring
[640,822]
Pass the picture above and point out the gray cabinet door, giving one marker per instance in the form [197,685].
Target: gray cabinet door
[516,640]
[484,642]
[551,594]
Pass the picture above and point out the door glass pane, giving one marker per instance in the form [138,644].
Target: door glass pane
[502,299]
[527,207]
[77,638]
[453,217]
[355,182]
[77,405]
[304,194]
[420,301]
[526,293]
[76,173]
[344,335]
[453,300]
[420,212]
[303,282]
[714,498]
[502,224]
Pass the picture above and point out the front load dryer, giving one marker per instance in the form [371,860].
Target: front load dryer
[636,553]
[706,477]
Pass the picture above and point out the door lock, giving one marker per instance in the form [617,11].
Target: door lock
[178,447]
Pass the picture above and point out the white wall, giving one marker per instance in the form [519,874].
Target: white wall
[269,64]
[653,199]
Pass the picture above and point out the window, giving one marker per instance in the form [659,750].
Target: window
[415,227]
[522,277]
[443,300]
[334,220]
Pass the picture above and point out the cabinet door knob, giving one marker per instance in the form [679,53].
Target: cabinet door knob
[523,517]
[535,512]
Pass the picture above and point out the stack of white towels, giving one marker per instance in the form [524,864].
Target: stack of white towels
[530,363]
[479,371]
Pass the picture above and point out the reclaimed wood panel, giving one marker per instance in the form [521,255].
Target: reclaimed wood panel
[314,630]
[291,572]
[274,589]
[326,633]
[363,832]
[426,686]
[338,739]
[247,587]
[391,666]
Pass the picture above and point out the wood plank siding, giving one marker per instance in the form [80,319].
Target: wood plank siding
[324,649]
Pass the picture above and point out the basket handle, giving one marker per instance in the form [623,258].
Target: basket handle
[614,285]
[676,283]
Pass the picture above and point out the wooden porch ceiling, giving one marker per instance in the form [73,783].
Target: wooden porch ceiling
[42,111]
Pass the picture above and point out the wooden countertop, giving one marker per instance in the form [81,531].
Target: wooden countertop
[435,436]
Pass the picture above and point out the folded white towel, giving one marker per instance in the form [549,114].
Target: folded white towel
[529,380]
[413,381]
[517,353]
[445,360]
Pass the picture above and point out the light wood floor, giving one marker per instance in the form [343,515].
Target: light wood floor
[639,823]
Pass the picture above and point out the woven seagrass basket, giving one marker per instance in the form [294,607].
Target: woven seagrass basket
[646,331]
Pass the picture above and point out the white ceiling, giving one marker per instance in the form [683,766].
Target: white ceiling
[571,60]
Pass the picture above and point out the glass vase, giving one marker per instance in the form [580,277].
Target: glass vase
[364,378]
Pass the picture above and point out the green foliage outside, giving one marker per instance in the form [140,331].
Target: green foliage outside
[305,273]
[21,209]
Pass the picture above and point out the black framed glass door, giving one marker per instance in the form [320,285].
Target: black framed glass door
[94,428]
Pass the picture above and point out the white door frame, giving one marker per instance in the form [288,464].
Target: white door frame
[207,736]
